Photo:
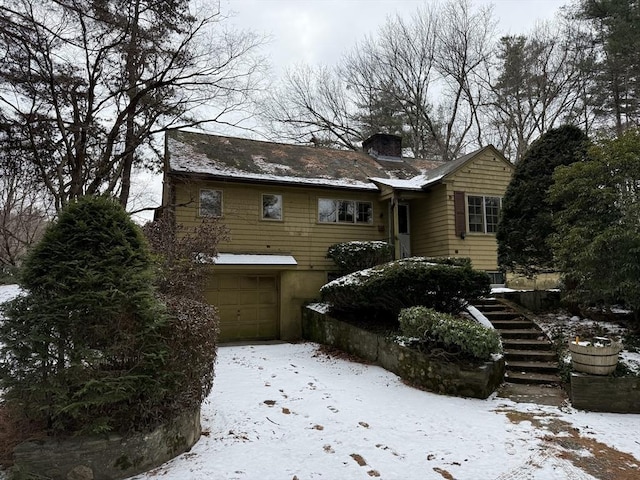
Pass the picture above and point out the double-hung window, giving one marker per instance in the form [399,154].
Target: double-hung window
[483,213]
[210,203]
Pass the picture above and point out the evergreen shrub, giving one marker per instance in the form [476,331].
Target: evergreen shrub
[384,290]
[350,257]
[84,349]
[433,329]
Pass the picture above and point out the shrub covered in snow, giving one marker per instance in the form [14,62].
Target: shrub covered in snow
[430,328]
[382,291]
[353,256]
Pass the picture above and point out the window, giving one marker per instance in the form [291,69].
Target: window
[497,278]
[483,213]
[271,206]
[344,211]
[210,203]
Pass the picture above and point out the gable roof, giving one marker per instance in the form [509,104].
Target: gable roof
[205,155]
[438,173]
[243,159]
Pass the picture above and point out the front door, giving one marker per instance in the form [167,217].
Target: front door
[404,237]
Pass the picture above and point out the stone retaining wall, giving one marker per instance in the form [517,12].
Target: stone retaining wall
[435,375]
[605,394]
[108,457]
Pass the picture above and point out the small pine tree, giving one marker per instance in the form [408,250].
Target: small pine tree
[526,217]
[83,349]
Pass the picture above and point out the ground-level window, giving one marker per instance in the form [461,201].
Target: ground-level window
[344,211]
[271,206]
[483,213]
[497,278]
[210,203]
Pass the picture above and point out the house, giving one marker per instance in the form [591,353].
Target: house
[284,205]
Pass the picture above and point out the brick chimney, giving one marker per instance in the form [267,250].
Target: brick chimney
[383,145]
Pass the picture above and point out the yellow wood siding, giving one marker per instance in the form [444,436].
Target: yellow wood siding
[429,224]
[487,174]
[298,234]
[433,220]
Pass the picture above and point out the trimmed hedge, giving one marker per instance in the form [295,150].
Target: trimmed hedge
[350,257]
[382,291]
[431,328]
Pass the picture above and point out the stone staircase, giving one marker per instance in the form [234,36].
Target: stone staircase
[529,355]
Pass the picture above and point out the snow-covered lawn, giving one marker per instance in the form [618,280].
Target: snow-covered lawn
[292,411]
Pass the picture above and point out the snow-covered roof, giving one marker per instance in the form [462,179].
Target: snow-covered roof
[240,159]
[243,159]
[251,259]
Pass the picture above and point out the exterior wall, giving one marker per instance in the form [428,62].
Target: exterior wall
[299,235]
[430,220]
[433,220]
[487,174]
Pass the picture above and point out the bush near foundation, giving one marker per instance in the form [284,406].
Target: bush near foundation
[350,257]
[431,329]
[84,350]
[382,291]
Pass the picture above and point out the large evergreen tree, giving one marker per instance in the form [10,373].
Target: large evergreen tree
[597,243]
[616,33]
[526,218]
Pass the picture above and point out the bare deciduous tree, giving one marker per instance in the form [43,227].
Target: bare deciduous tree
[23,204]
[416,78]
[96,81]
[541,81]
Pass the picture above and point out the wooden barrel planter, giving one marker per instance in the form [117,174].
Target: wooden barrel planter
[597,358]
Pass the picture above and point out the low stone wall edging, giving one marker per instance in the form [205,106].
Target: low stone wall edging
[108,457]
[435,375]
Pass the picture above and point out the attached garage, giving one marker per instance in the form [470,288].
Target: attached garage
[247,304]
[246,291]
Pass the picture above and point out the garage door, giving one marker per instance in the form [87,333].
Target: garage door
[248,306]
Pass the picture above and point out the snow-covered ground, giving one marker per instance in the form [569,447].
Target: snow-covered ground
[292,411]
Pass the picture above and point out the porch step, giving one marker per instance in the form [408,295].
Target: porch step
[512,324]
[501,315]
[521,333]
[529,357]
[533,366]
[531,377]
[526,344]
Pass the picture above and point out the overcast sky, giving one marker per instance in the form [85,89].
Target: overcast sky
[320,31]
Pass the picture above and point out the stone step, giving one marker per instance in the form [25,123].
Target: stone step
[529,355]
[505,315]
[513,324]
[532,366]
[525,344]
[498,307]
[522,333]
[531,378]
[542,394]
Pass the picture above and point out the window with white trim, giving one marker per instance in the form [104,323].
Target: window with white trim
[271,206]
[345,211]
[483,213]
[210,203]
